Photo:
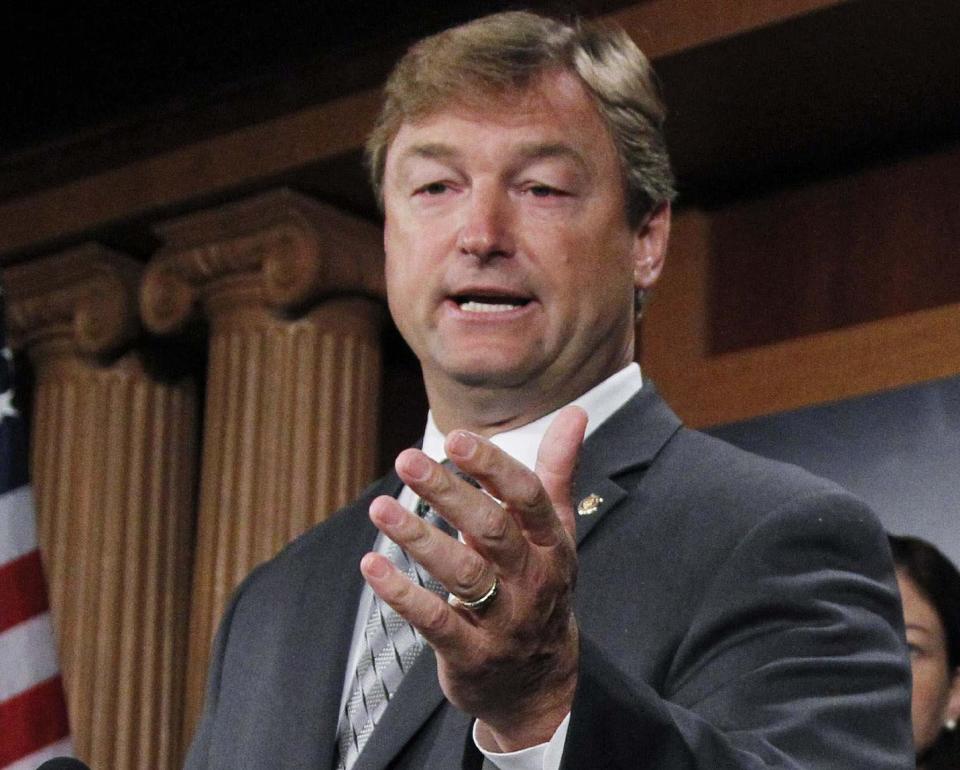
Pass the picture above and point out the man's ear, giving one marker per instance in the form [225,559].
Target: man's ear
[650,246]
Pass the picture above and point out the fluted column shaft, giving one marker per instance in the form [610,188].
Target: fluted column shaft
[288,288]
[112,460]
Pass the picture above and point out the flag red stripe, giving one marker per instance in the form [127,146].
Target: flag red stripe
[31,720]
[23,591]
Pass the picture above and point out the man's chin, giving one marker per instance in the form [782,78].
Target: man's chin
[492,375]
[492,379]
[493,367]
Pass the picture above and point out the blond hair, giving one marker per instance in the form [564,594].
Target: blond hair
[507,51]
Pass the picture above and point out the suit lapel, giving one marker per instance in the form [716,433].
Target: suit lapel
[629,440]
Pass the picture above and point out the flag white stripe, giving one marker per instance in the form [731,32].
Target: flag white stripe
[62,748]
[30,645]
[18,529]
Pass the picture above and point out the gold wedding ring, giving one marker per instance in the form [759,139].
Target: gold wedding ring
[478,605]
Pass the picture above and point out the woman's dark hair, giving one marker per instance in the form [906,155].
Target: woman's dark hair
[939,581]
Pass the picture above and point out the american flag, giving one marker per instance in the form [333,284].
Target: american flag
[33,714]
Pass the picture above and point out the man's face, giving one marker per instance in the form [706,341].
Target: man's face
[509,260]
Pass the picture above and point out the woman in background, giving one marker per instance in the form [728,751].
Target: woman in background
[930,589]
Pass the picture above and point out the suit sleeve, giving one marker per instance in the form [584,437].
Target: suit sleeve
[795,660]
[198,757]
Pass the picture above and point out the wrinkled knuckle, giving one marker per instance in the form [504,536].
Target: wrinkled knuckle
[442,485]
[435,618]
[486,456]
[400,594]
[531,495]
[469,575]
[420,537]
[495,524]
[437,479]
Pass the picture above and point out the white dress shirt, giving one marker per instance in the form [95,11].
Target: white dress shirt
[522,444]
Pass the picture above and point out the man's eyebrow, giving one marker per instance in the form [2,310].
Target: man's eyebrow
[527,152]
[540,151]
[430,150]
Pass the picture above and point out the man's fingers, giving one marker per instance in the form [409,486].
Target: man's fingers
[460,569]
[432,616]
[557,461]
[482,521]
[510,481]
[536,505]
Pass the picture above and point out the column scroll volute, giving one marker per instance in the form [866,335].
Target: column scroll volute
[82,300]
[283,247]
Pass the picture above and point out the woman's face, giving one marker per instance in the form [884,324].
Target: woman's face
[936,689]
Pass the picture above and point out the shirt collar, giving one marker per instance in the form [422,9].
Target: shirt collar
[523,443]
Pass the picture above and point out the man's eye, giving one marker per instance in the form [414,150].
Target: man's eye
[434,188]
[542,191]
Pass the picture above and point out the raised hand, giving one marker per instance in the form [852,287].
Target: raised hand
[512,663]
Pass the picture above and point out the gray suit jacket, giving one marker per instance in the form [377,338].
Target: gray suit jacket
[735,613]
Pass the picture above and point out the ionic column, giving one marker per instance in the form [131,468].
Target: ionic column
[288,288]
[112,459]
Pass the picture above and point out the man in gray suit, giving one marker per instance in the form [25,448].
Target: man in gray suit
[645,597]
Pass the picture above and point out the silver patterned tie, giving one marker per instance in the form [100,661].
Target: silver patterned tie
[388,649]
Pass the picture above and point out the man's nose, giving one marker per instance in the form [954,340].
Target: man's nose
[486,231]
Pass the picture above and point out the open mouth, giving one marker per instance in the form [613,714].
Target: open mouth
[473,303]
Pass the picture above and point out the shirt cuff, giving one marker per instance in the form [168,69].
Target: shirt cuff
[543,756]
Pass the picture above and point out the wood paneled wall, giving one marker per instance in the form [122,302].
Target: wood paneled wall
[870,245]
[826,291]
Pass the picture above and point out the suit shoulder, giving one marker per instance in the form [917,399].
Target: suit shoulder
[347,528]
[722,468]
[703,481]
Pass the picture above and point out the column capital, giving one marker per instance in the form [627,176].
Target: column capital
[80,300]
[283,248]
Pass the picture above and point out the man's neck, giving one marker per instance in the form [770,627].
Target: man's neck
[523,443]
[488,411]
[495,404]
[492,412]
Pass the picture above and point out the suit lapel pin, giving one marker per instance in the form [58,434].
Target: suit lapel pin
[589,505]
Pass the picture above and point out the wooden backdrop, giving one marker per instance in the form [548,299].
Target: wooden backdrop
[212,370]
